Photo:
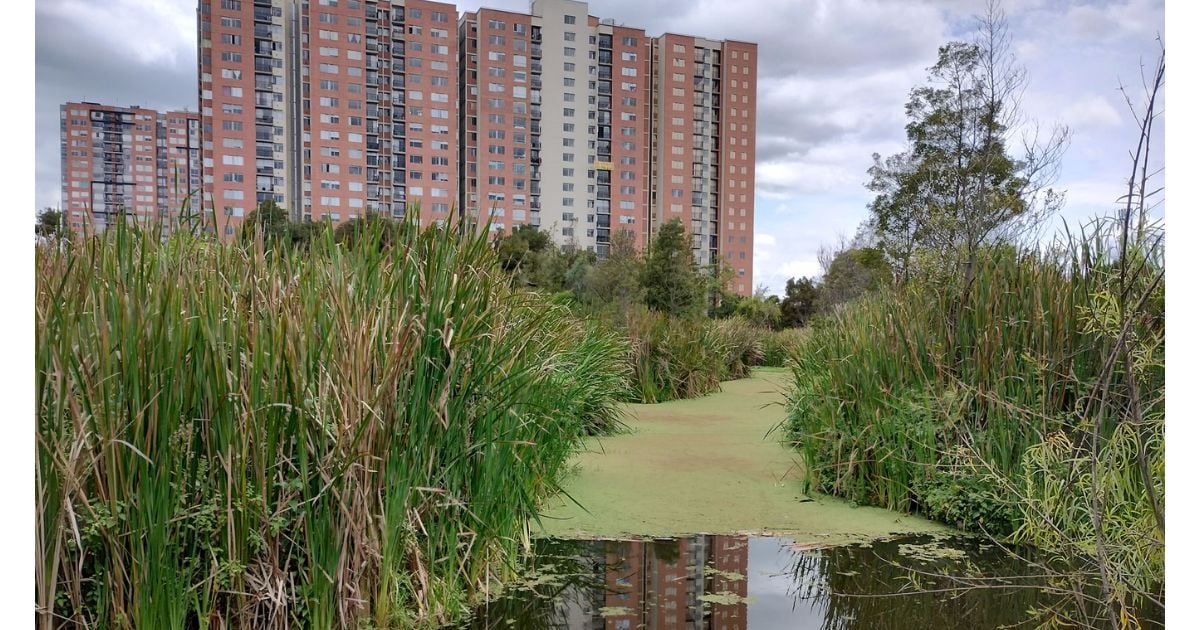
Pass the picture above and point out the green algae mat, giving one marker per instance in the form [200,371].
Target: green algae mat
[707,465]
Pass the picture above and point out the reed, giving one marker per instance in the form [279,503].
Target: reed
[918,398]
[254,435]
[780,346]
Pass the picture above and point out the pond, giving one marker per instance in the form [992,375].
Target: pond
[763,583]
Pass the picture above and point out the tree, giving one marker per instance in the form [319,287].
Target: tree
[616,279]
[799,303]
[852,273]
[354,231]
[518,251]
[760,309]
[956,187]
[270,220]
[51,224]
[670,278]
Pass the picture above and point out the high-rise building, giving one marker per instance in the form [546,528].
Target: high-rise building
[577,125]
[556,122]
[330,108]
[703,153]
[127,161]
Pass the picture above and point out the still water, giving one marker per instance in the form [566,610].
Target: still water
[763,583]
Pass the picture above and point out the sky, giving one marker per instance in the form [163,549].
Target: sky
[833,78]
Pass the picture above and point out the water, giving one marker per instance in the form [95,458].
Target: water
[763,583]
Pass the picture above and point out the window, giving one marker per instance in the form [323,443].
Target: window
[568,19]
[629,41]
[329,68]
[235,57]
[232,160]
[232,40]
[231,91]
[568,51]
[629,72]
[569,36]
[230,22]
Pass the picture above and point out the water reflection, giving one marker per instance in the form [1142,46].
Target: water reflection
[760,583]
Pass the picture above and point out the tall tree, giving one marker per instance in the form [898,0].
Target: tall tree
[799,303]
[670,277]
[958,185]
[271,220]
[852,273]
[616,279]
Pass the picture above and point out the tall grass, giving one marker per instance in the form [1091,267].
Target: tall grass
[684,357]
[780,346]
[914,398]
[251,436]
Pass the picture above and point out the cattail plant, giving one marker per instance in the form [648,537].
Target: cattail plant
[253,435]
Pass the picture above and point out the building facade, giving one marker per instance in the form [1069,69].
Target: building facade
[556,123]
[127,161]
[703,154]
[330,108]
[554,118]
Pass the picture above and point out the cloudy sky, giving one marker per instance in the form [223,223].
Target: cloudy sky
[833,79]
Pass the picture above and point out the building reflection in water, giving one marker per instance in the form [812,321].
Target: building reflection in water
[662,584]
[692,583]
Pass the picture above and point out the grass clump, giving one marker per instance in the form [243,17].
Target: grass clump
[917,397]
[780,346]
[252,435]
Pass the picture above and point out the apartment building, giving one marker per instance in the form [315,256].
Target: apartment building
[554,118]
[127,161]
[556,121]
[330,108]
[703,151]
